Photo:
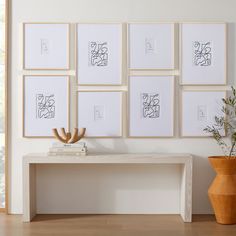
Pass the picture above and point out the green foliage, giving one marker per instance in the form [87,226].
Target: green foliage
[226,123]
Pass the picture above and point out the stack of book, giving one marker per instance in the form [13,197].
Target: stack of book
[62,149]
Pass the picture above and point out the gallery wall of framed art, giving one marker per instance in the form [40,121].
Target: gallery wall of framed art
[124,79]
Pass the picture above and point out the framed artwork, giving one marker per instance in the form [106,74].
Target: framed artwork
[199,109]
[151,46]
[100,113]
[204,53]
[151,106]
[46,46]
[45,104]
[99,54]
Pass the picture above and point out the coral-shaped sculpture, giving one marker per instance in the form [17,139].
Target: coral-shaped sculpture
[66,137]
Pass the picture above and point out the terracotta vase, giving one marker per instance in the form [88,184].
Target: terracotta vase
[222,192]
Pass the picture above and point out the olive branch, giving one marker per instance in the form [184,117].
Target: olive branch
[226,123]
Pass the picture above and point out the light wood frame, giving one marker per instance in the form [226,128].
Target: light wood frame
[6,103]
[121,109]
[181,112]
[181,54]
[121,52]
[128,108]
[68,46]
[174,25]
[23,99]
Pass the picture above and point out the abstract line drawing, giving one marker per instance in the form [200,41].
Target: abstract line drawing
[44,43]
[202,113]
[99,112]
[45,106]
[202,53]
[150,46]
[150,105]
[98,53]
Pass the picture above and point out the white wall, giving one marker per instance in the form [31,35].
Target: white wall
[120,189]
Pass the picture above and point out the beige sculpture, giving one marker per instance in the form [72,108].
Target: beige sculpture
[66,137]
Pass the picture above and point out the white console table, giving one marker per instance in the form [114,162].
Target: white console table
[31,160]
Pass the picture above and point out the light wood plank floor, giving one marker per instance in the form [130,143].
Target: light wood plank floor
[113,225]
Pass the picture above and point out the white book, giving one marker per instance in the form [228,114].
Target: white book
[84,151]
[67,149]
[70,145]
[67,154]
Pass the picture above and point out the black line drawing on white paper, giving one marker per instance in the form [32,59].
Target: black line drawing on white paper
[99,112]
[150,46]
[45,106]
[202,113]
[202,53]
[150,105]
[44,45]
[98,53]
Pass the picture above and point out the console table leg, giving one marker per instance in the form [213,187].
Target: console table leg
[186,192]
[29,192]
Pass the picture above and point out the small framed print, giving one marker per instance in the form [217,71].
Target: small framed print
[199,109]
[46,104]
[204,53]
[151,106]
[100,113]
[46,46]
[151,46]
[99,54]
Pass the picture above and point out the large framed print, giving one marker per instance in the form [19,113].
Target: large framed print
[204,53]
[100,112]
[46,46]
[99,54]
[45,104]
[199,109]
[151,46]
[151,106]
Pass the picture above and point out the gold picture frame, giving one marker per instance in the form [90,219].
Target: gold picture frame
[121,110]
[23,99]
[68,46]
[122,64]
[181,111]
[225,54]
[173,108]
[173,42]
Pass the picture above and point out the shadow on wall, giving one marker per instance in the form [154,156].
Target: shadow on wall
[203,176]
[118,146]
[231,54]
[108,189]
[123,145]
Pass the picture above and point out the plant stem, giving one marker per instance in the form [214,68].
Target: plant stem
[231,150]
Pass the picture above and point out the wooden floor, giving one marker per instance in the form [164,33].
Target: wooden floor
[113,225]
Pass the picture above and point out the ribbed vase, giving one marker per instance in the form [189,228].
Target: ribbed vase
[222,192]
